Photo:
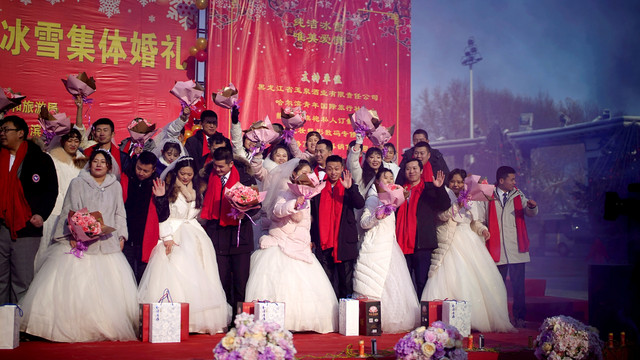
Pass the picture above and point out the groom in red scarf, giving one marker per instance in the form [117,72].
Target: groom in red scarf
[333,228]
[28,192]
[425,200]
[509,241]
[233,250]
[104,129]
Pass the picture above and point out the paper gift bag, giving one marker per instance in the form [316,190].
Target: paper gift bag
[164,326]
[246,307]
[9,326]
[457,313]
[145,319]
[270,311]
[349,318]
[430,311]
[370,317]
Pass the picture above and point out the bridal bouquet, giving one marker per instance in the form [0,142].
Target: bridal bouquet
[438,341]
[80,84]
[189,92]
[255,340]
[86,226]
[292,118]
[261,133]
[227,97]
[9,99]
[563,337]
[391,196]
[306,185]
[243,198]
[53,124]
[140,131]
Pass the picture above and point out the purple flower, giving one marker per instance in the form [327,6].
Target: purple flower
[267,354]
[234,355]
[405,346]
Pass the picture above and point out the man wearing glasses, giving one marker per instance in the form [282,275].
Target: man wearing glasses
[28,192]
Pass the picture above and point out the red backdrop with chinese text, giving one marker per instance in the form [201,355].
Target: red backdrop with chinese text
[329,57]
[134,50]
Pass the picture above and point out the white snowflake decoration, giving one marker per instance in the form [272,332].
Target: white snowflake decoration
[152,18]
[25,2]
[256,10]
[324,3]
[53,2]
[145,2]
[109,7]
[187,22]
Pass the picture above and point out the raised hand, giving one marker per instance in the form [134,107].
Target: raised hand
[439,179]
[78,100]
[158,187]
[531,204]
[186,111]
[347,179]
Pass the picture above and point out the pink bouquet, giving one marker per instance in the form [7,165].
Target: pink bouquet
[306,185]
[80,84]
[438,341]
[227,97]
[140,131]
[53,124]
[9,99]
[391,196]
[86,227]
[187,91]
[477,189]
[381,135]
[261,132]
[242,199]
[292,118]
[362,121]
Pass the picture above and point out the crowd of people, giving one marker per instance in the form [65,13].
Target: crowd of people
[175,229]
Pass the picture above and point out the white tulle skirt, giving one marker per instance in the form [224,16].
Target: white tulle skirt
[310,302]
[469,273]
[190,272]
[81,300]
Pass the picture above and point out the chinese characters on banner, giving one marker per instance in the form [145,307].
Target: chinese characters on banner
[329,57]
[134,49]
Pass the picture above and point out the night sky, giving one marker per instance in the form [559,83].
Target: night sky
[585,50]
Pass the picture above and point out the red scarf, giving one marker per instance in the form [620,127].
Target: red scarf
[14,208]
[113,150]
[330,210]
[317,171]
[493,244]
[427,172]
[205,144]
[216,206]
[151,227]
[406,220]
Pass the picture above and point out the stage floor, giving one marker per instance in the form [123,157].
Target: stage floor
[308,345]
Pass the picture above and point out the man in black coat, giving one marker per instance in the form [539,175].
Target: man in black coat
[28,192]
[233,250]
[416,222]
[333,228]
[198,144]
[436,158]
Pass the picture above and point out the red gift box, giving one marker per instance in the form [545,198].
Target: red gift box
[145,316]
[370,317]
[246,307]
[430,311]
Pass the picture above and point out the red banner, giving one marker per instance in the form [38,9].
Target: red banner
[134,50]
[329,57]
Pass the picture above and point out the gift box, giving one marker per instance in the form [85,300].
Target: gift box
[370,318]
[430,311]
[246,307]
[145,320]
[457,313]
[9,326]
[349,311]
[270,311]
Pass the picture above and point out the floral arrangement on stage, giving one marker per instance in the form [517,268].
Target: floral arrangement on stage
[563,337]
[255,340]
[86,226]
[438,341]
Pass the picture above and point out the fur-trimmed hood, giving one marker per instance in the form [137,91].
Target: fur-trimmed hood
[59,154]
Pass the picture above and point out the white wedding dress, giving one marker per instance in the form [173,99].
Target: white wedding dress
[462,269]
[381,271]
[190,271]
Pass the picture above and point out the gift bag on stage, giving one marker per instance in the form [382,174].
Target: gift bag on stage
[160,319]
[270,311]
[457,313]
[430,311]
[349,317]
[370,317]
[10,326]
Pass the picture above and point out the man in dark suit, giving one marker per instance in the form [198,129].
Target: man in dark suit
[28,192]
[425,200]
[198,144]
[233,250]
[435,158]
[333,228]
[104,130]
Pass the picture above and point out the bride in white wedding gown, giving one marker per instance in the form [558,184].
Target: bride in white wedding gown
[462,268]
